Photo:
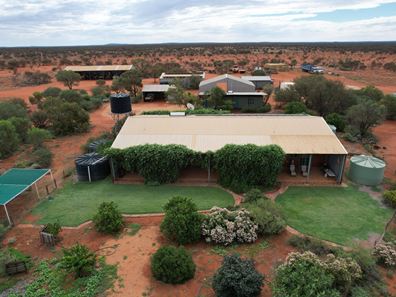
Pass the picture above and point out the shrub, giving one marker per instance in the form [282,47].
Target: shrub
[241,167]
[390,105]
[182,222]
[237,278]
[390,198]
[8,139]
[108,219]
[253,195]
[172,265]
[42,157]
[303,275]
[39,118]
[37,136]
[267,216]
[344,269]
[12,108]
[22,126]
[385,253]
[224,226]
[337,120]
[51,92]
[310,244]
[10,255]
[53,228]
[78,260]
[287,95]
[295,107]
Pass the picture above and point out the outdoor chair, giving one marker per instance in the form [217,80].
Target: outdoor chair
[293,170]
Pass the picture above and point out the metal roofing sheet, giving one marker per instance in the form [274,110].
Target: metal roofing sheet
[99,68]
[257,78]
[295,134]
[155,88]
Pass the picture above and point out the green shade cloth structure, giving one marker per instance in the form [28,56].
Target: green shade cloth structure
[15,181]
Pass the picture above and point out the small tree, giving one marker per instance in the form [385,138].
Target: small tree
[182,222]
[108,219]
[131,81]
[295,107]
[68,78]
[22,126]
[217,99]
[237,278]
[8,139]
[390,106]
[288,94]
[364,116]
[78,260]
[172,265]
[37,136]
[337,120]
[39,119]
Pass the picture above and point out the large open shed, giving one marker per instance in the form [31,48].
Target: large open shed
[91,72]
[16,181]
[310,145]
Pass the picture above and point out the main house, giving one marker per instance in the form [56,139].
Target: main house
[240,91]
[309,143]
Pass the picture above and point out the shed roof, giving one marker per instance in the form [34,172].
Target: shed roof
[99,68]
[15,181]
[257,78]
[155,88]
[295,134]
[225,76]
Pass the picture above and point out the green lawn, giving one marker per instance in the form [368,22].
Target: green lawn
[77,203]
[335,214]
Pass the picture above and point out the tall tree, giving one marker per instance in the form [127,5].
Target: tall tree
[131,81]
[365,115]
[68,78]
[217,99]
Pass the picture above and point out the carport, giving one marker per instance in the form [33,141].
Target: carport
[16,181]
[154,92]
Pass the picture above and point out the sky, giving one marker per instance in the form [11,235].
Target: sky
[94,22]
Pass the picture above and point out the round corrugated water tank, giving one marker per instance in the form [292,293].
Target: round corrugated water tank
[92,167]
[120,103]
[366,170]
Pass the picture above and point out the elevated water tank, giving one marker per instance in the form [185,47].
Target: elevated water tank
[92,167]
[366,170]
[120,103]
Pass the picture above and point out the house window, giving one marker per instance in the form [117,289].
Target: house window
[250,101]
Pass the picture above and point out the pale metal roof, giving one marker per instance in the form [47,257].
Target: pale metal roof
[296,134]
[225,76]
[257,78]
[181,75]
[99,68]
[155,88]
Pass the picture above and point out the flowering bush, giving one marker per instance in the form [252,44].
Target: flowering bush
[225,226]
[385,254]
[345,270]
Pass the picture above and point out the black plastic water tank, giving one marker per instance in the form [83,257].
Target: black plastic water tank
[94,145]
[92,167]
[120,103]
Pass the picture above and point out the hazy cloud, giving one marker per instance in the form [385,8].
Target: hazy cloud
[72,22]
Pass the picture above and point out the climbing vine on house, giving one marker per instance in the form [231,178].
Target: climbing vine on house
[156,163]
[241,167]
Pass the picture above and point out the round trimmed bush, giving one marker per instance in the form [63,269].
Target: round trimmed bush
[182,222]
[237,278]
[109,218]
[172,265]
[253,195]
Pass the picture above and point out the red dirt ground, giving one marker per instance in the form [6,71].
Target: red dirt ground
[386,134]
